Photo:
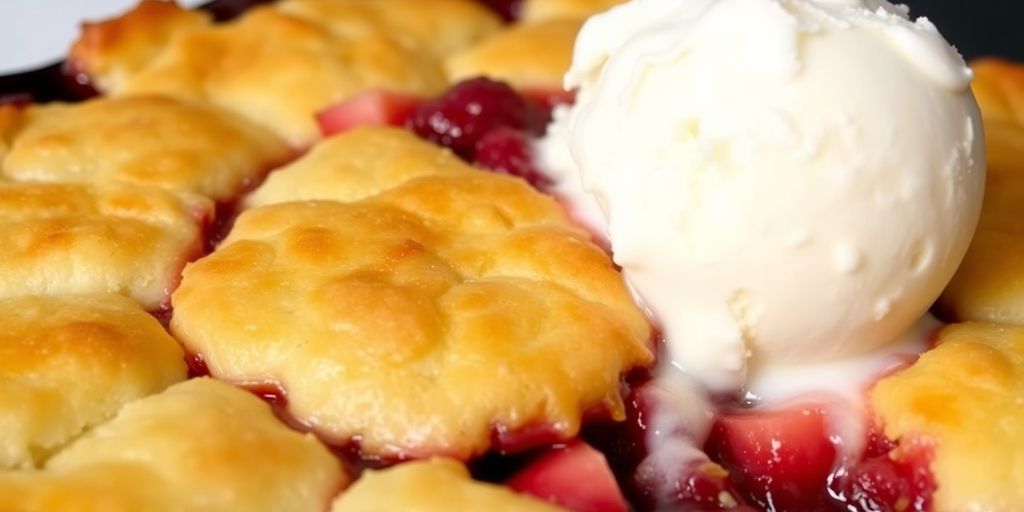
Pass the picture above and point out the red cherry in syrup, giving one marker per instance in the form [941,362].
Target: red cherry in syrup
[649,480]
[468,111]
[508,151]
[895,481]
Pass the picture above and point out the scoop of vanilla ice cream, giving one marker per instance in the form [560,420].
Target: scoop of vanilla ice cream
[782,181]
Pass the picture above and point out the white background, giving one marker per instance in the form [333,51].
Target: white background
[35,33]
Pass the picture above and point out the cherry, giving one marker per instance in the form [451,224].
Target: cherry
[196,365]
[463,115]
[545,100]
[508,151]
[895,481]
[649,479]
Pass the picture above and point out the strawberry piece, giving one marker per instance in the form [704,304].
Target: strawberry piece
[576,477]
[780,459]
[372,108]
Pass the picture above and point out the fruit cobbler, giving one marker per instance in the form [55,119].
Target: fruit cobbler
[397,255]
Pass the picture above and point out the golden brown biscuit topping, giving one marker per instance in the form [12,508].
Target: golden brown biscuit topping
[962,398]
[202,445]
[534,56]
[65,238]
[420,321]
[989,285]
[150,141]
[70,362]
[358,164]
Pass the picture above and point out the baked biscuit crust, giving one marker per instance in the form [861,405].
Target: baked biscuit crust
[531,56]
[357,164]
[111,51]
[201,445]
[962,399]
[436,27]
[279,64]
[989,285]
[431,319]
[434,485]
[70,362]
[149,141]
[65,238]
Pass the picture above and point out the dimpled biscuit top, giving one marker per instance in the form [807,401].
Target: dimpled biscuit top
[280,63]
[989,285]
[201,445]
[147,141]
[964,398]
[67,238]
[70,362]
[420,321]
[434,485]
[357,164]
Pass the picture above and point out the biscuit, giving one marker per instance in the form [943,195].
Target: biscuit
[75,238]
[110,51]
[437,27]
[150,141]
[201,445]
[70,362]
[989,285]
[962,398]
[279,64]
[357,164]
[438,317]
[529,57]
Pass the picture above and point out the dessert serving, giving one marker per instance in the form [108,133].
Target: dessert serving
[590,255]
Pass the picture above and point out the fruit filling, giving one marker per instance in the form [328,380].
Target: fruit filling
[677,449]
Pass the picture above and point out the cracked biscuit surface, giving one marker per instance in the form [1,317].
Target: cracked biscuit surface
[199,446]
[76,238]
[70,362]
[442,316]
